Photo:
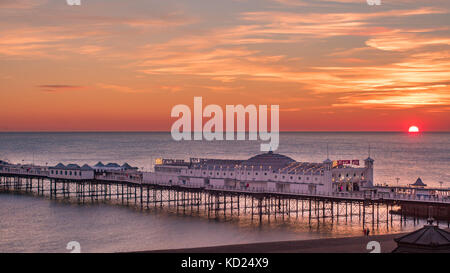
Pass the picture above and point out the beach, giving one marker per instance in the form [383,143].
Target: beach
[332,245]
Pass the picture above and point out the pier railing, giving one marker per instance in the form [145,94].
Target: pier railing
[24,170]
[337,195]
[121,177]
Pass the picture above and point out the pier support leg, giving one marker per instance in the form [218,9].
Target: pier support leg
[364,213]
[148,195]
[142,203]
[260,210]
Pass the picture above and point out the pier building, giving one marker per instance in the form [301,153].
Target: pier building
[71,171]
[100,167]
[267,171]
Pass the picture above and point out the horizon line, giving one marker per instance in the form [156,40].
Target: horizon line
[159,131]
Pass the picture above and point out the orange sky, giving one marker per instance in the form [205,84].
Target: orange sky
[122,65]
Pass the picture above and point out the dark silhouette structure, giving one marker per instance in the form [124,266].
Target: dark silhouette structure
[429,239]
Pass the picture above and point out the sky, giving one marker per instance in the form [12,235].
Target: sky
[121,65]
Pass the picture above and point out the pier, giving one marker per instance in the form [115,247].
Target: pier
[370,208]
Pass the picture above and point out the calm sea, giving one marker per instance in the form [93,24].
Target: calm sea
[32,224]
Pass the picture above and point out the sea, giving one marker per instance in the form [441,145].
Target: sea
[36,224]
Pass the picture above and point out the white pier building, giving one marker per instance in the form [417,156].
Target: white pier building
[268,171]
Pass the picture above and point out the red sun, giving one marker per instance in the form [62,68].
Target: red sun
[413,129]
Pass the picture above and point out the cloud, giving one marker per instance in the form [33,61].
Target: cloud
[45,42]
[78,33]
[21,4]
[410,99]
[415,97]
[59,87]
[404,42]
[292,2]
[222,53]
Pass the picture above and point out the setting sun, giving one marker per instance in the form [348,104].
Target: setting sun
[413,129]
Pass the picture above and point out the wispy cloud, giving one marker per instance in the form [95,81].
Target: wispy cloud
[21,4]
[404,42]
[59,87]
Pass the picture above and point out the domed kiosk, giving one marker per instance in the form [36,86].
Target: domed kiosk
[429,239]
[419,183]
[268,160]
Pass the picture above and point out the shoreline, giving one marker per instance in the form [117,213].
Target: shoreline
[329,245]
